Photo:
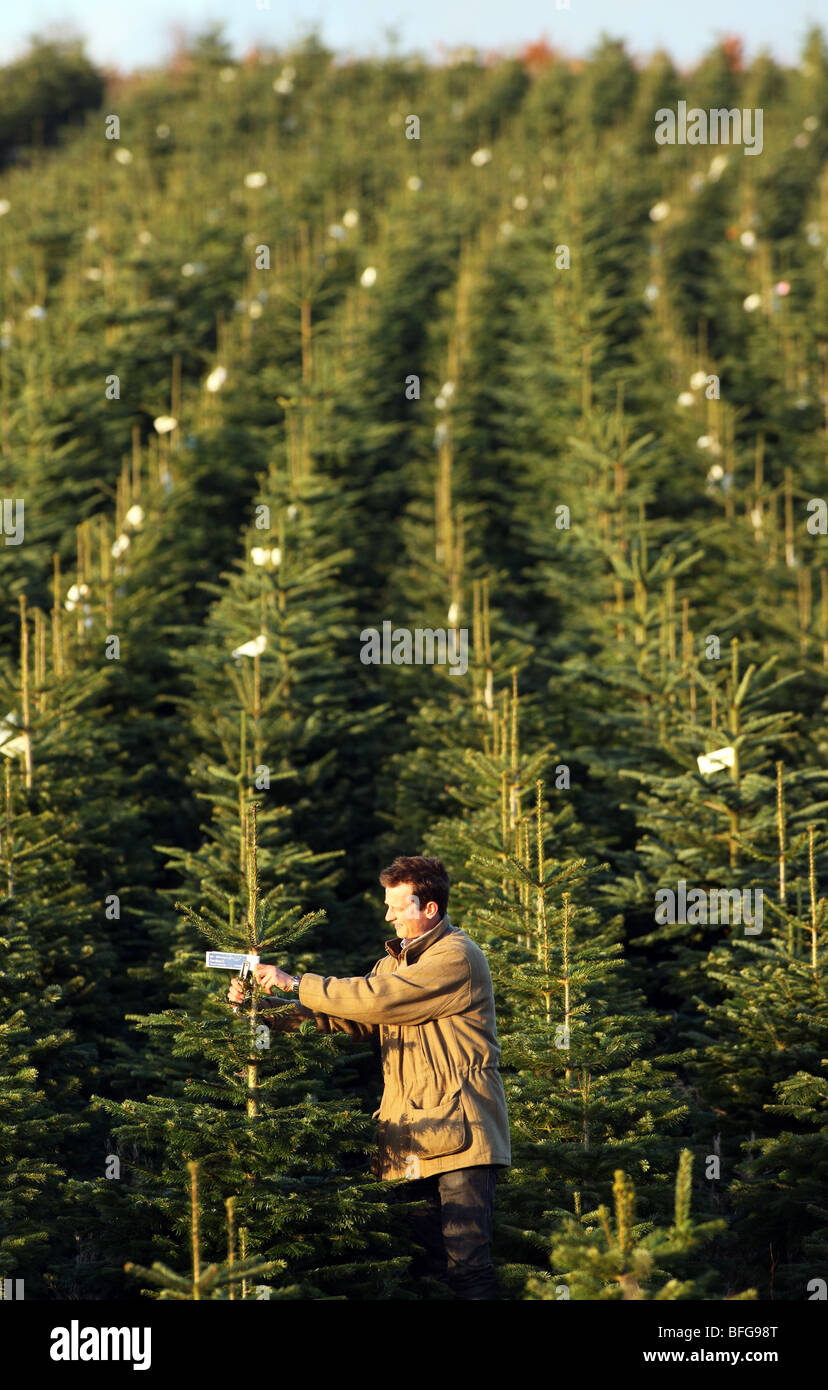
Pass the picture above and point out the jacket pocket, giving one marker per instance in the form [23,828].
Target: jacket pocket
[440,1129]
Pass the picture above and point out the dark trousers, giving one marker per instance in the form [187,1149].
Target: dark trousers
[456,1229]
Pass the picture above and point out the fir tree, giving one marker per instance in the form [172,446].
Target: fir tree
[257,1111]
[628,1261]
[217,1280]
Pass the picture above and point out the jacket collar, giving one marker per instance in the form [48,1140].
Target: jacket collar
[420,943]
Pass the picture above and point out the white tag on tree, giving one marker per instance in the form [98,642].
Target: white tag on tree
[229,960]
[715,761]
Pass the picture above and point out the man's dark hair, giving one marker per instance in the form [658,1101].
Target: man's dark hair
[429,879]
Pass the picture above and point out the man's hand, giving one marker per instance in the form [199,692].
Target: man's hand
[236,991]
[270,976]
[267,977]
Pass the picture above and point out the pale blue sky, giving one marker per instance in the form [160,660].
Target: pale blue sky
[138,33]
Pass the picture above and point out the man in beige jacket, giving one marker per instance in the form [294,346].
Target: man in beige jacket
[442,1120]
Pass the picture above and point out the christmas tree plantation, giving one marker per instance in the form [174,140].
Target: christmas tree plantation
[411,457]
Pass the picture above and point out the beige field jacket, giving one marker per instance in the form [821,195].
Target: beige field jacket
[443,1103]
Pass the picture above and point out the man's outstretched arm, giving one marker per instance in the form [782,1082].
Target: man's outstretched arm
[434,987]
[296,1014]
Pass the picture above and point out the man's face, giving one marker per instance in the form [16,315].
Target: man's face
[403,909]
